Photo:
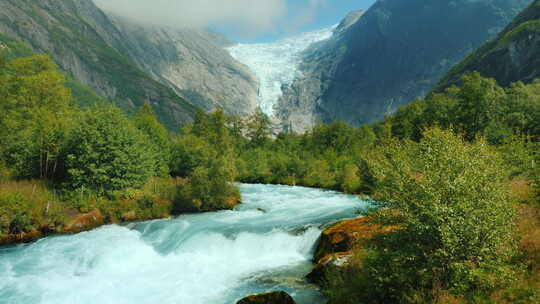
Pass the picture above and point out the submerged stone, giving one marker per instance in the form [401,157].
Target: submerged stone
[274,297]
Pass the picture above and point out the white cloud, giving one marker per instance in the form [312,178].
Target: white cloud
[254,15]
[250,17]
[307,14]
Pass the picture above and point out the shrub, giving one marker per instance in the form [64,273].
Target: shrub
[450,200]
[208,189]
[147,123]
[349,180]
[105,152]
[189,152]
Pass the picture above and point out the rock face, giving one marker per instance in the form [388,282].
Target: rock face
[392,54]
[337,243]
[276,297]
[193,63]
[129,64]
[513,56]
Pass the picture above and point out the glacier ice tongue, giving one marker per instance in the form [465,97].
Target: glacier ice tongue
[276,63]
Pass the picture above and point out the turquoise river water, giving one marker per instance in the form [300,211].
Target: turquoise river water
[265,244]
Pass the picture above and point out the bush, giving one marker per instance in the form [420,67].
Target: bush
[449,199]
[156,134]
[28,205]
[349,180]
[105,152]
[208,189]
[189,152]
[15,215]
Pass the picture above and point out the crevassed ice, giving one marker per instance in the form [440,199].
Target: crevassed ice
[276,63]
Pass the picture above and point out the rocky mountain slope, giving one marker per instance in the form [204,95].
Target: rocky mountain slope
[392,54]
[128,64]
[513,56]
[194,63]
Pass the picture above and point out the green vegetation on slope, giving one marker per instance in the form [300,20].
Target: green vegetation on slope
[512,56]
[449,171]
[11,49]
[57,161]
[76,44]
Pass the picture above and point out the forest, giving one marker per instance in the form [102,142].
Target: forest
[455,173]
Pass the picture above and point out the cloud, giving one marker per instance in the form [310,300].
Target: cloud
[254,15]
[307,14]
[250,17]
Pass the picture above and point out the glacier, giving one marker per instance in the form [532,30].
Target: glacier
[276,63]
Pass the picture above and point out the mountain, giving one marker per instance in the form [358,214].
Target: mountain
[128,63]
[513,56]
[276,63]
[392,54]
[194,63]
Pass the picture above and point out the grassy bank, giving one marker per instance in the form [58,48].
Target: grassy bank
[32,209]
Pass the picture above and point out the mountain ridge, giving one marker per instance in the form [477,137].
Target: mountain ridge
[394,53]
[514,55]
[127,64]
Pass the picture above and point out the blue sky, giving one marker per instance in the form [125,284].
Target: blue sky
[327,14]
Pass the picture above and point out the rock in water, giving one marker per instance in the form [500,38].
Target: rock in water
[337,243]
[85,222]
[275,297]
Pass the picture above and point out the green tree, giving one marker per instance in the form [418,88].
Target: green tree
[478,104]
[157,135]
[349,179]
[208,188]
[106,152]
[449,201]
[259,129]
[188,153]
[36,115]
[366,136]
[319,174]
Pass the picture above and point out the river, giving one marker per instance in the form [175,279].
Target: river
[265,244]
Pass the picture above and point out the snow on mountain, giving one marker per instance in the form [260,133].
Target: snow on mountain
[276,63]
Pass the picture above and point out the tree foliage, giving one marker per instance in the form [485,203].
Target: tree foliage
[448,199]
[36,115]
[106,152]
[157,135]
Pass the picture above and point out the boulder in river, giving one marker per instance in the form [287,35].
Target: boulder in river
[85,222]
[343,237]
[339,241]
[129,216]
[274,297]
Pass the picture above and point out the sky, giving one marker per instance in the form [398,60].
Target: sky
[325,13]
[239,20]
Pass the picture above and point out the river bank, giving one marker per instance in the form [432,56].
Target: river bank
[264,244]
[32,210]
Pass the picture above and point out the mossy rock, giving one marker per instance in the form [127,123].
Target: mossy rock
[334,261]
[275,297]
[343,237]
[338,244]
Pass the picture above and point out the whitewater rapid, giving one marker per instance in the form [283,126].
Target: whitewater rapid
[276,63]
[216,258]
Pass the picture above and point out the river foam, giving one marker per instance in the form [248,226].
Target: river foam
[218,257]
